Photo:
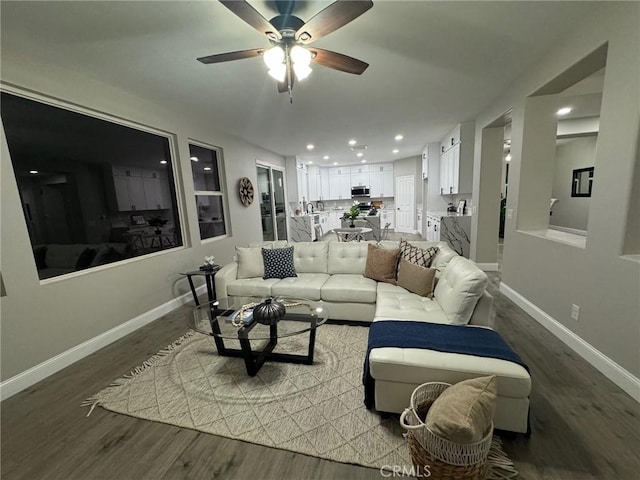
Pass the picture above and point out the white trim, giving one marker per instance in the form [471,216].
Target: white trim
[489,267]
[33,375]
[610,369]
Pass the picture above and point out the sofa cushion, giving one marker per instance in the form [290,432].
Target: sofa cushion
[463,413]
[305,285]
[416,279]
[251,287]
[250,263]
[349,288]
[381,264]
[310,257]
[418,256]
[443,257]
[278,263]
[396,303]
[347,257]
[459,288]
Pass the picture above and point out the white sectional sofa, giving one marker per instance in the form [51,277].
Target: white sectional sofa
[333,272]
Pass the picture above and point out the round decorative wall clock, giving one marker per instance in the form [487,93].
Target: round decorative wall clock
[246,191]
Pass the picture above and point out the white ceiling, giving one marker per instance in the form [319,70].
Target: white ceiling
[432,65]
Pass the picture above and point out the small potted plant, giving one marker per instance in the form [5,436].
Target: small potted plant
[158,223]
[352,214]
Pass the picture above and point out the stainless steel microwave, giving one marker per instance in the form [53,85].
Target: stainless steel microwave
[360,191]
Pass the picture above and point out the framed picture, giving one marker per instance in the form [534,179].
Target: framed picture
[461,206]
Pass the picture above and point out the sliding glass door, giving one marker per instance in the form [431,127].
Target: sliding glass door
[272,203]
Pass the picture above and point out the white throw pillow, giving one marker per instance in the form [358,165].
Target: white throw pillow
[250,263]
[460,287]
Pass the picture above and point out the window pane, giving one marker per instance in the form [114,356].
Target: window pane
[210,216]
[204,164]
[93,192]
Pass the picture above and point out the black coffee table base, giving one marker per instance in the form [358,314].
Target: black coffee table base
[254,359]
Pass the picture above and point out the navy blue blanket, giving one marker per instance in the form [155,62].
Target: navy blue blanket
[480,342]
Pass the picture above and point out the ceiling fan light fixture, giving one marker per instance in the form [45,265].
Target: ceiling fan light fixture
[273,57]
[301,71]
[279,72]
[301,59]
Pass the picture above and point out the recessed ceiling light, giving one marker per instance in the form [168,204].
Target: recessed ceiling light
[195,159]
[309,162]
[363,161]
[564,111]
[395,150]
[163,162]
[311,146]
[507,158]
[352,142]
[33,172]
[335,163]
[326,157]
[207,169]
[359,154]
[398,137]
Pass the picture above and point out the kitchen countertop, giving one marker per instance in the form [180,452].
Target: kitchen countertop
[448,214]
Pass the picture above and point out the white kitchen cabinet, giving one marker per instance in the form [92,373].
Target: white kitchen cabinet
[456,160]
[138,189]
[339,170]
[303,188]
[433,228]
[425,164]
[450,171]
[358,169]
[315,187]
[324,183]
[381,180]
[340,187]
[360,179]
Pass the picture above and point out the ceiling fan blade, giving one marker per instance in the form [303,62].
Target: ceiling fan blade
[331,18]
[227,57]
[251,16]
[338,61]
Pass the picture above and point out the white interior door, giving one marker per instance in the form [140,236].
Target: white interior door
[405,204]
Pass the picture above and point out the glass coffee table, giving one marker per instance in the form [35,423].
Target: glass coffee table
[219,319]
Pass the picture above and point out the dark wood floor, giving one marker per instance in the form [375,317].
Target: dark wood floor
[584,427]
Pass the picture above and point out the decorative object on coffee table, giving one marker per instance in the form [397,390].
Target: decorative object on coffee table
[269,312]
[246,191]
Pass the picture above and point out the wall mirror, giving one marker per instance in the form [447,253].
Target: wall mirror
[582,182]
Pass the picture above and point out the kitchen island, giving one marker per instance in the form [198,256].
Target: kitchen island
[450,227]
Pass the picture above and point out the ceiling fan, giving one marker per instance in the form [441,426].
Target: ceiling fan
[289,35]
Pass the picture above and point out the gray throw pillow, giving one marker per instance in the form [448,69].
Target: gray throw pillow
[278,263]
[250,264]
[463,413]
[416,279]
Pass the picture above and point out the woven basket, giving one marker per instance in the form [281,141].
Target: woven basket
[445,460]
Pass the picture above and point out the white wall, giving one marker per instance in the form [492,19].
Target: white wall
[43,319]
[574,153]
[551,276]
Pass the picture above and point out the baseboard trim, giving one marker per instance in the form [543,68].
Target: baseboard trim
[610,369]
[488,267]
[39,372]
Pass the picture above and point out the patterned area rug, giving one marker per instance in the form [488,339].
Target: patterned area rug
[315,409]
